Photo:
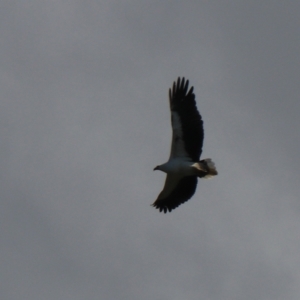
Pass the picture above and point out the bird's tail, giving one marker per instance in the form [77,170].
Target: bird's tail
[207,168]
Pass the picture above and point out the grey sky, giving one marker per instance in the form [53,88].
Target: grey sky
[84,119]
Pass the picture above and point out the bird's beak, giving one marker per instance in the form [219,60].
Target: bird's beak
[156,168]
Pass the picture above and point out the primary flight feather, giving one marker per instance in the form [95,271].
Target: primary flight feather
[183,167]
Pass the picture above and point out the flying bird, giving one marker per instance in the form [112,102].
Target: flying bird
[183,167]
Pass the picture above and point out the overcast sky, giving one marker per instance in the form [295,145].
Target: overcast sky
[85,118]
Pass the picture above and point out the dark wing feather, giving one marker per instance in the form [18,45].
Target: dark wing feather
[183,191]
[182,102]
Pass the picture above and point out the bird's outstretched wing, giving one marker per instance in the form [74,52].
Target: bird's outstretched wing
[187,124]
[175,192]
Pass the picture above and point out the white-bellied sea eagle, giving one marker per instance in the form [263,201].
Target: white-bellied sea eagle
[183,167]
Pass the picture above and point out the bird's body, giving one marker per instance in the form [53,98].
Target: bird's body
[178,166]
[183,167]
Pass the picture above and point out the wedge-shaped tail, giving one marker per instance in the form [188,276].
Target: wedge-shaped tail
[207,168]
